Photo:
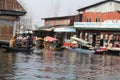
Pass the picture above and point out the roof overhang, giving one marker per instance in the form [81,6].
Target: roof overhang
[58,17]
[11,12]
[99,29]
[97,26]
[57,28]
[46,28]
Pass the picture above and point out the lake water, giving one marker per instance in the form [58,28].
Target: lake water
[58,65]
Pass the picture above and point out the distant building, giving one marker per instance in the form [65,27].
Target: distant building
[10,12]
[101,11]
[99,21]
[62,26]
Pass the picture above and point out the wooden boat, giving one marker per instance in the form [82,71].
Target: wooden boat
[114,50]
[17,49]
[80,50]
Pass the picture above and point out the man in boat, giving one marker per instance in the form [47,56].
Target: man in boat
[27,42]
[48,45]
[18,41]
[58,44]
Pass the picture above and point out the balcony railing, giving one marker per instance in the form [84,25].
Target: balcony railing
[11,5]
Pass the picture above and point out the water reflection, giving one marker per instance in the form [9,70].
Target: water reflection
[65,65]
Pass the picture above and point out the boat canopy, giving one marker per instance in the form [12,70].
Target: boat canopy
[50,39]
[81,41]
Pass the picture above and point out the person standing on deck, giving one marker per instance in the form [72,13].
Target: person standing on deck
[12,42]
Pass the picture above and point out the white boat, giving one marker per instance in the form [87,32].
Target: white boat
[80,50]
[81,41]
[85,45]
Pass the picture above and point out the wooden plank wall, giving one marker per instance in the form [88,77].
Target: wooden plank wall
[6,29]
[6,32]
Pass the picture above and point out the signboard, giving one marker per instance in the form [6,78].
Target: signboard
[96,24]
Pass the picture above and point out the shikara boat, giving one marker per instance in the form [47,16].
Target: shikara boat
[114,50]
[85,46]
[16,49]
[80,50]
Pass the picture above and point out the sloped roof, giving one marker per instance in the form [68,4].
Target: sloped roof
[83,8]
[11,5]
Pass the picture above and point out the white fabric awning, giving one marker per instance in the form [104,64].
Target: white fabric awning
[65,29]
[47,29]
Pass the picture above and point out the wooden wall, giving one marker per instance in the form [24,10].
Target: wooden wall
[6,30]
[69,20]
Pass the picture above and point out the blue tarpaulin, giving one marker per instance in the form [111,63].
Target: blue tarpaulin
[65,29]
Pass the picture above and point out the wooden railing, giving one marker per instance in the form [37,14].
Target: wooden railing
[11,5]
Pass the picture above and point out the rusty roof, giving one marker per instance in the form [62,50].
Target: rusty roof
[11,5]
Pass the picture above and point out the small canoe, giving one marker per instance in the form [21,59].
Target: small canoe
[17,49]
[80,50]
[100,51]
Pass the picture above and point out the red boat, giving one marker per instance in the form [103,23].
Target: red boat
[101,50]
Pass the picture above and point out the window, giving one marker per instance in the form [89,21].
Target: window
[97,19]
[65,21]
[56,22]
[48,22]
[89,20]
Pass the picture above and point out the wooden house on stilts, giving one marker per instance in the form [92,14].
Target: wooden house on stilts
[10,12]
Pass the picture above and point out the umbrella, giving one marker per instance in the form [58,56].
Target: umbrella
[50,39]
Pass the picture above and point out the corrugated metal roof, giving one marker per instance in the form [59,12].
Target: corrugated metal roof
[83,8]
[11,5]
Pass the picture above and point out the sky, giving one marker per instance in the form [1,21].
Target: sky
[38,9]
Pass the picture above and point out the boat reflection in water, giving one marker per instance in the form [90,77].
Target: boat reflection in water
[64,65]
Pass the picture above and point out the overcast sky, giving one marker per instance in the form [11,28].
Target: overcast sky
[50,8]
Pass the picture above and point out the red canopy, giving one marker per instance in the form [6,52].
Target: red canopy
[48,38]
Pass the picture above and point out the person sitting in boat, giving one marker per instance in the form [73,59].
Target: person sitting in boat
[18,41]
[39,43]
[44,44]
[48,45]
[58,44]
[27,42]
[24,41]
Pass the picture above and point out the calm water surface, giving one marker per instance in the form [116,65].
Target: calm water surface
[64,65]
